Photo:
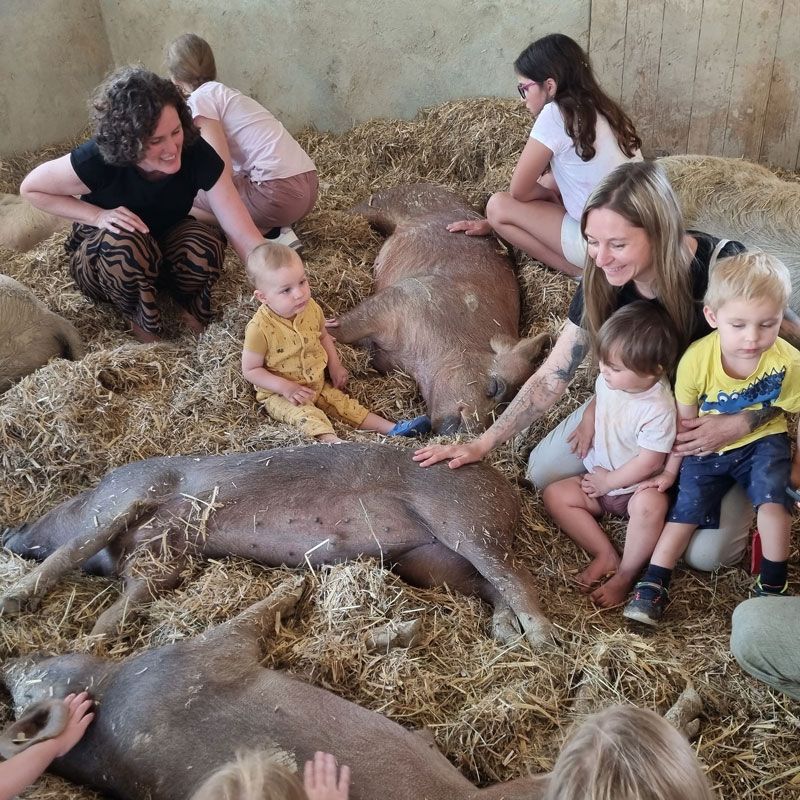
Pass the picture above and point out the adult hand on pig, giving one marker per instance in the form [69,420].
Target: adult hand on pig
[339,375]
[119,219]
[320,779]
[459,454]
[709,434]
[297,394]
[472,227]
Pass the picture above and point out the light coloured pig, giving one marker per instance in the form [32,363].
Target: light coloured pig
[445,308]
[30,333]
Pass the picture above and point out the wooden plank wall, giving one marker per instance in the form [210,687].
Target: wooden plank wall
[704,76]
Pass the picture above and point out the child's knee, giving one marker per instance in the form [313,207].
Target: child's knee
[562,492]
[648,504]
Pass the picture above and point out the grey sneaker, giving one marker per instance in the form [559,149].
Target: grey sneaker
[647,604]
[288,237]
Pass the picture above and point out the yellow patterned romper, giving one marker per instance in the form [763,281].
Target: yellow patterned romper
[293,350]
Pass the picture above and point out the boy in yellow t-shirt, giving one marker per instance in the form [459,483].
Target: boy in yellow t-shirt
[287,348]
[742,365]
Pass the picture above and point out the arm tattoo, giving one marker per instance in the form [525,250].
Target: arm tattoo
[760,416]
[577,355]
[537,395]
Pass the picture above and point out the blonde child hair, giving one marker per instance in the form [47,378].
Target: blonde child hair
[190,60]
[252,776]
[627,753]
[267,257]
[748,276]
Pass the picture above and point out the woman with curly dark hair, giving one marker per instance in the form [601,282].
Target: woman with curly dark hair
[136,180]
[580,133]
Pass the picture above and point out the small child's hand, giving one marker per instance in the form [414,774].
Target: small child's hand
[339,375]
[321,781]
[595,484]
[661,482]
[80,717]
[298,395]
[331,322]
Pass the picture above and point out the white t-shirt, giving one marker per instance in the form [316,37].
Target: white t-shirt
[626,421]
[260,146]
[577,179]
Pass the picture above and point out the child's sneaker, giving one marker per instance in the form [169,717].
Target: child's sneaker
[418,426]
[647,604]
[759,590]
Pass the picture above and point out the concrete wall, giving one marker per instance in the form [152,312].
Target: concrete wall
[335,63]
[718,76]
[52,53]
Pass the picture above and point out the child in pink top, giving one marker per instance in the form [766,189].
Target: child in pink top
[275,177]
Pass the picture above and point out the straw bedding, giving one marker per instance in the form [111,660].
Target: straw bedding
[496,711]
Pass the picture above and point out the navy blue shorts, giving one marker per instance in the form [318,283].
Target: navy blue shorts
[762,468]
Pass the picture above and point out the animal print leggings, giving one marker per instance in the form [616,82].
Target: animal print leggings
[126,268]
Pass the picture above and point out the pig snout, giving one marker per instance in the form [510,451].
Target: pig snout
[497,388]
[13,539]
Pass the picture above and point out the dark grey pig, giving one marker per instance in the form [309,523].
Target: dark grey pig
[307,506]
[168,717]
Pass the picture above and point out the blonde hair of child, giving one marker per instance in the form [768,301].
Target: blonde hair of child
[252,776]
[627,753]
[265,258]
[748,276]
[190,60]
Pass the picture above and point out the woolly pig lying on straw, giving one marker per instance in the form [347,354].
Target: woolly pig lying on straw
[22,226]
[736,199]
[30,333]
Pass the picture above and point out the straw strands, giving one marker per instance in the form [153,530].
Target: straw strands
[496,711]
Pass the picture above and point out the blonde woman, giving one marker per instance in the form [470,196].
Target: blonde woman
[274,176]
[637,250]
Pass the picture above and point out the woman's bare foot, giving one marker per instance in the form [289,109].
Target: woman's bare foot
[192,323]
[614,591]
[600,567]
[145,337]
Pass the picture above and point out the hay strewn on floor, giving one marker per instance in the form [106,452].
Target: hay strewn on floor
[496,711]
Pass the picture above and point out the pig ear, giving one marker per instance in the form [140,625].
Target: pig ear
[501,343]
[534,347]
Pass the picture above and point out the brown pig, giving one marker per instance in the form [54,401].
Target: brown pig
[445,308]
[306,506]
[167,718]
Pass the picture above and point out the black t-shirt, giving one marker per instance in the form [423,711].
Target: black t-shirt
[160,204]
[698,270]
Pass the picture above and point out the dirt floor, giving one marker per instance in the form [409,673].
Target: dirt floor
[496,711]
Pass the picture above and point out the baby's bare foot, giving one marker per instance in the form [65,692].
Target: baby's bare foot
[613,592]
[601,567]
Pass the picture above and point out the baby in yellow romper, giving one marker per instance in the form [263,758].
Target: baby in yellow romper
[287,348]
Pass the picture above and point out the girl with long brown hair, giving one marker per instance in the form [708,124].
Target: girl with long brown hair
[580,133]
